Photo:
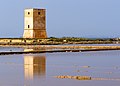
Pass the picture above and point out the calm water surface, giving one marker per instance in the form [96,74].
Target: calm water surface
[40,69]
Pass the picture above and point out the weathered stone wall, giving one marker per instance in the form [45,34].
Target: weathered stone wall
[28,33]
[20,40]
[35,23]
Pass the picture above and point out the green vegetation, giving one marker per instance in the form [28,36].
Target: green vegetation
[76,39]
[67,39]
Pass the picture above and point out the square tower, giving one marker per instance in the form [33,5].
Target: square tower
[35,23]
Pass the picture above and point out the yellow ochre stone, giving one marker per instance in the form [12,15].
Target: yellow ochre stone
[74,77]
[35,23]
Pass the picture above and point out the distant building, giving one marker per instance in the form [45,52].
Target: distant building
[35,23]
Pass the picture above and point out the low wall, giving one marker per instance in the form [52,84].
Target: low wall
[19,40]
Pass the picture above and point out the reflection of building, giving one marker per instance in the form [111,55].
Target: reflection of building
[34,49]
[34,66]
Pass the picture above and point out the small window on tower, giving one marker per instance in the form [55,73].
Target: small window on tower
[28,26]
[38,13]
[28,13]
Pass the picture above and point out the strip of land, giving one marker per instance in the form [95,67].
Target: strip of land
[62,46]
[57,41]
[83,78]
[60,50]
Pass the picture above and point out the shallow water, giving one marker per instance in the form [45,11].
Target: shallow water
[40,69]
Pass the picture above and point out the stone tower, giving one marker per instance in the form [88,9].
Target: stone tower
[35,23]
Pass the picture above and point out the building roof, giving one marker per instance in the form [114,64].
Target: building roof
[35,8]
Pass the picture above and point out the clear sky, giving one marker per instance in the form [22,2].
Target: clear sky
[74,18]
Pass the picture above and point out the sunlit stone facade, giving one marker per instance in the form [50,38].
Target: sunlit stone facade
[35,23]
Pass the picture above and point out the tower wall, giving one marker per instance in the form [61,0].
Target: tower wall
[35,23]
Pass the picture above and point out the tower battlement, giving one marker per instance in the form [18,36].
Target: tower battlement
[35,23]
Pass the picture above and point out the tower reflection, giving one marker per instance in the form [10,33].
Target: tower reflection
[34,66]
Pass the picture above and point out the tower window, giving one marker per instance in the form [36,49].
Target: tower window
[38,13]
[28,26]
[28,13]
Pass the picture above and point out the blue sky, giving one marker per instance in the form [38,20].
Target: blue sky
[73,18]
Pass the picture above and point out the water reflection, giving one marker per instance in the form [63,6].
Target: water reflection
[34,66]
[34,49]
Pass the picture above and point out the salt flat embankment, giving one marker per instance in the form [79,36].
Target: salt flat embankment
[55,48]
[62,46]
